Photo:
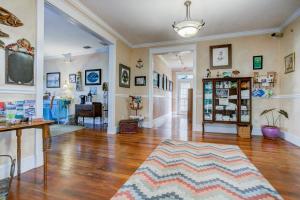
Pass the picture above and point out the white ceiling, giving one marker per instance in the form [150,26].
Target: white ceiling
[148,21]
[178,60]
[63,37]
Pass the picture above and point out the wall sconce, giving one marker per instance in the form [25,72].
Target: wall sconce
[140,64]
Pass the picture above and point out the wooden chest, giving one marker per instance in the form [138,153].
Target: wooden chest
[244,131]
[129,126]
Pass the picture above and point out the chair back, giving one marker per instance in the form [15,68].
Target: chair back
[5,184]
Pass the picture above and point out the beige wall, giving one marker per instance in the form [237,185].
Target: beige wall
[243,50]
[28,31]
[79,63]
[162,99]
[290,83]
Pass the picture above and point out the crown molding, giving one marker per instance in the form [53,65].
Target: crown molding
[290,19]
[98,20]
[81,53]
[208,38]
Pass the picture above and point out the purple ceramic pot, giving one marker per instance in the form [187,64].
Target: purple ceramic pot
[271,132]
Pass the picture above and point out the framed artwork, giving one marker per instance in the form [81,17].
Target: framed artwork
[124,76]
[93,77]
[221,56]
[156,79]
[53,80]
[222,93]
[140,81]
[72,78]
[166,83]
[170,86]
[289,63]
[257,62]
[163,82]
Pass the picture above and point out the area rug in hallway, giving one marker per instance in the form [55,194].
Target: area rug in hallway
[188,170]
[59,129]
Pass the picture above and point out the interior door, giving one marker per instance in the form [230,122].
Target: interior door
[183,88]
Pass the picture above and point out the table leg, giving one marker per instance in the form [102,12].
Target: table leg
[45,146]
[19,141]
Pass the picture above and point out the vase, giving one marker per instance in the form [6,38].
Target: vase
[270,132]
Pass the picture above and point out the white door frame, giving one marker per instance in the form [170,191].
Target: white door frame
[153,51]
[85,19]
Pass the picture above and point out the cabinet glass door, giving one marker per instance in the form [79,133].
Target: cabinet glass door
[245,109]
[226,101]
[208,100]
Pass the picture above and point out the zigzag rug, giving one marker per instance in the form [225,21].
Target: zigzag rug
[188,170]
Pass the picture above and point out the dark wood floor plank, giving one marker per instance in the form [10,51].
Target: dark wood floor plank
[91,165]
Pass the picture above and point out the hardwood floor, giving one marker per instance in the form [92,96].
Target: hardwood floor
[88,164]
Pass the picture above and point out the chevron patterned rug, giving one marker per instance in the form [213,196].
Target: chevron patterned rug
[202,171]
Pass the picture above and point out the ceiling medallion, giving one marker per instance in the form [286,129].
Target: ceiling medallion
[188,27]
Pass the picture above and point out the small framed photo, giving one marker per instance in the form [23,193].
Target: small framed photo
[221,56]
[170,86]
[93,77]
[124,76]
[53,80]
[257,62]
[140,81]
[166,83]
[72,78]
[163,82]
[290,63]
[156,79]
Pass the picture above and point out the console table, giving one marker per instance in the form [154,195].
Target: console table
[88,110]
[44,125]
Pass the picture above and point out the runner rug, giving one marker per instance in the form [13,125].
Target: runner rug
[188,170]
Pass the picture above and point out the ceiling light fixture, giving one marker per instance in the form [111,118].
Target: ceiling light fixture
[188,27]
[67,57]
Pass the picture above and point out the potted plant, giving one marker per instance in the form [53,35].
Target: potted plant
[273,115]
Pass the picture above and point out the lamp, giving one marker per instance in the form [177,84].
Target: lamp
[188,27]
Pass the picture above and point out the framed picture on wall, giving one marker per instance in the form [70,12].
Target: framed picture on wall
[170,86]
[257,62]
[72,78]
[53,80]
[124,76]
[221,56]
[156,79]
[93,77]
[289,63]
[163,82]
[140,81]
[166,83]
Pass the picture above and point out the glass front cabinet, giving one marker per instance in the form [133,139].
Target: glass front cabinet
[227,100]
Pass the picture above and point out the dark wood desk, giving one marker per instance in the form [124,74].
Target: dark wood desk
[88,110]
[44,125]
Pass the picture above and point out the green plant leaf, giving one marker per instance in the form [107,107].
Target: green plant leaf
[284,113]
[266,111]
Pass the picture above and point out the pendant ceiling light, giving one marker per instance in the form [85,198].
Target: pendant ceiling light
[188,27]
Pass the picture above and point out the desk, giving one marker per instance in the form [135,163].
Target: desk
[44,125]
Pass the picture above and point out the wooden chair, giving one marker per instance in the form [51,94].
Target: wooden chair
[6,183]
[88,110]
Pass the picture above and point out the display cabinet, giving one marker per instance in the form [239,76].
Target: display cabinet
[227,101]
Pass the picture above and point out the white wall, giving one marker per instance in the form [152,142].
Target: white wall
[79,63]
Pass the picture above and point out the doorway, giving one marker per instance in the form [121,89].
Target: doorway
[185,57]
[102,38]
[182,102]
